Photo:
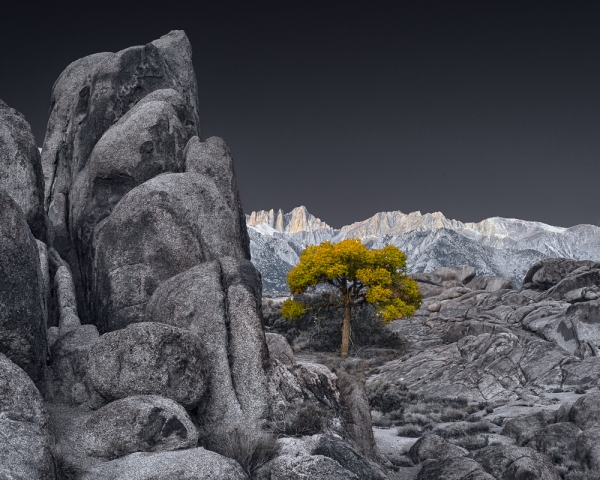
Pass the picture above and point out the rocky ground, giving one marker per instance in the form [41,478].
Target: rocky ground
[491,382]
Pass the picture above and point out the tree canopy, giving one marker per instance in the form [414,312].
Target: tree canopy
[360,276]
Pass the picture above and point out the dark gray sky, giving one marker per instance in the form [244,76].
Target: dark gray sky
[472,108]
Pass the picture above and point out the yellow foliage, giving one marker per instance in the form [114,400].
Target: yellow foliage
[291,309]
[377,277]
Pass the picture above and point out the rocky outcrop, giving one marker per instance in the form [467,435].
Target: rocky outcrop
[147,298]
[161,228]
[507,461]
[148,359]
[191,464]
[142,423]
[101,95]
[22,303]
[217,302]
[279,348]
[25,442]
[21,174]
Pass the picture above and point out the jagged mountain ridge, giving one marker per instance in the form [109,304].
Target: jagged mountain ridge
[495,246]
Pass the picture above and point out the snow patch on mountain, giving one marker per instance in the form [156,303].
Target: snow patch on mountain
[495,246]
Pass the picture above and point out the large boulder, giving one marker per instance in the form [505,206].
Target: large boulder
[191,464]
[141,423]
[24,442]
[213,160]
[457,468]
[147,141]
[509,461]
[343,453]
[315,467]
[585,412]
[491,284]
[22,312]
[279,348]
[486,367]
[433,447]
[218,303]
[24,452]
[20,400]
[159,229]
[89,97]
[149,359]
[460,273]
[21,168]
[548,272]
[559,441]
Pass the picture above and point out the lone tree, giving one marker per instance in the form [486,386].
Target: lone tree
[360,275]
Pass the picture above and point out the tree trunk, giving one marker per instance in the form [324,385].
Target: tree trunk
[346,329]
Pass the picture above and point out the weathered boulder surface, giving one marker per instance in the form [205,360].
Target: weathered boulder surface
[357,415]
[21,174]
[89,97]
[317,467]
[279,348]
[486,367]
[191,464]
[433,447]
[20,400]
[218,303]
[548,272]
[141,423]
[24,442]
[161,228]
[149,359]
[24,451]
[585,412]
[509,461]
[491,284]
[214,161]
[340,451]
[457,468]
[22,312]
[461,273]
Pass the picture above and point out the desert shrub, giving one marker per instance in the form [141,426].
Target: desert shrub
[250,449]
[409,430]
[416,418]
[380,419]
[389,398]
[451,414]
[296,421]
[463,429]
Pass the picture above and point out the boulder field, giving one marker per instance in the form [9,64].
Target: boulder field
[131,329]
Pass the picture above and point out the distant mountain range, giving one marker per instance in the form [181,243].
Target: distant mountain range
[505,247]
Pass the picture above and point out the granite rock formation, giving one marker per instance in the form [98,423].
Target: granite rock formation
[131,331]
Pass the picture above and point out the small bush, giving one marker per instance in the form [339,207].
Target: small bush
[409,430]
[250,449]
[380,419]
[297,421]
[451,414]
[463,429]
[387,398]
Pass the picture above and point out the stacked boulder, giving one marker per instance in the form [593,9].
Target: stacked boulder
[134,306]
